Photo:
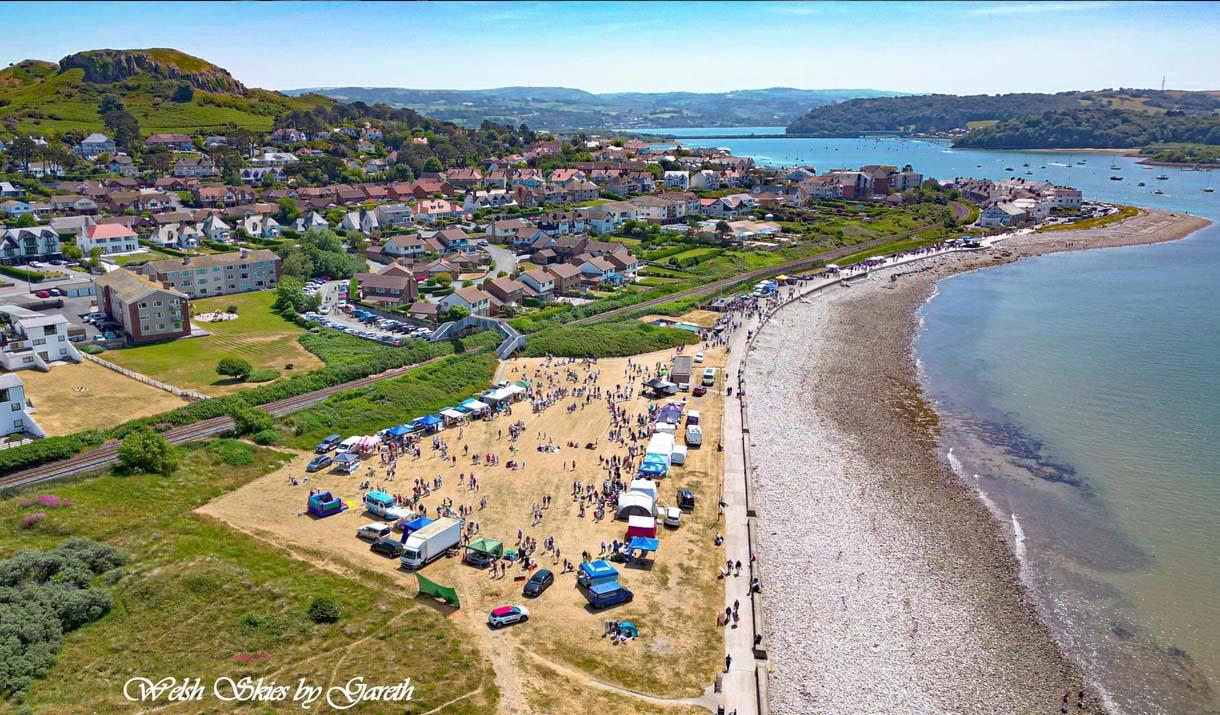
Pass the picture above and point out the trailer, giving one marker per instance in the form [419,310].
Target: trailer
[430,543]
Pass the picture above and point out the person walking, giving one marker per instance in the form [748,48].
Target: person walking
[728,661]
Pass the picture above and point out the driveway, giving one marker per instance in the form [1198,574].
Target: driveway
[502,259]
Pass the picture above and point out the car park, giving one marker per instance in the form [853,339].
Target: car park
[318,463]
[539,582]
[387,546]
[507,615]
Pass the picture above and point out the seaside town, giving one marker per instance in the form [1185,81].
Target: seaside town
[540,400]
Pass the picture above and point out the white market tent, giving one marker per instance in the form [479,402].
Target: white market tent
[678,456]
[499,396]
[644,486]
[661,444]
[476,406]
[452,414]
[666,428]
[635,504]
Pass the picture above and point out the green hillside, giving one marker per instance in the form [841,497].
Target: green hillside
[39,97]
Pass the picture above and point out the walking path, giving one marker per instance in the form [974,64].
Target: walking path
[746,675]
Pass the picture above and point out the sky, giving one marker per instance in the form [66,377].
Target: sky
[958,48]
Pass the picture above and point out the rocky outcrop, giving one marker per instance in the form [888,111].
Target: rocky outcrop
[107,66]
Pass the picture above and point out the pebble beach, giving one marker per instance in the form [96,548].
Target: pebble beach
[889,587]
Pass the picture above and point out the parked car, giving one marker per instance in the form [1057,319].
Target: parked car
[673,516]
[507,615]
[698,357]
[699,391]
[43,294]
[374,531]
[318,463]
[686,499]
[539,582]
[387,546]
[330,442]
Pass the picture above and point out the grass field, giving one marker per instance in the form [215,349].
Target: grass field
[74,397]
[258,336]
[198,599]
[131,258]
[1123,214]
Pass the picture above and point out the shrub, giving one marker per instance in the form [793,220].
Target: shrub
[147,451]
[231,452]
[232,309]
[29,520]
[92,349]
[266,437]
[323,610]
[614,339]
[266,375]
[234,367]
[23,273]
[43,595]
[251,419]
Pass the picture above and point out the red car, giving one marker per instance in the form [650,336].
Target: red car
[43,294]
[699,391]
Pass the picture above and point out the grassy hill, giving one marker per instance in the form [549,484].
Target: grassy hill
[944,112]
[559,108]
[38,97]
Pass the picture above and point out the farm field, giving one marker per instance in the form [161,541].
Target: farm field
[196,598]
[74,397]
[258,335]
[677,595]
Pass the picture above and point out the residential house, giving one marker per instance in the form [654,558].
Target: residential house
[624,264]
[123,165]
[17,414]
[387,289]
[218,274]
[596,270]
[260,226]
[34,340]
[274,159]
[491,199]
[222,195]
[438,267]
[8,190]
[43,169]
[508,291]
[655,209]
[361,220]
[394,215]
[69,224]
[79,205]
[818,188]
[1065,197]
[215,229]
[15,209]
[180,236]
[799,174]
[147,311]
[94,144]
[403,247]
[433,210]
[1000,214]
[110,238]
[258,174]
[504,230]
[424,311]
[561,223]
[470,298]
[19,246]
[856,185]
[541,282]
[174,142]
[310,221]
[464,178]
[566,277]
[677,180]
[195,167]
[451,239]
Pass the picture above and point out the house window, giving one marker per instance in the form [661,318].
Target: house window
[16,407]
[19,424]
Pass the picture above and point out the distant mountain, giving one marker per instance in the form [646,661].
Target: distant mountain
[561,108]
[38,97]
[1102,118]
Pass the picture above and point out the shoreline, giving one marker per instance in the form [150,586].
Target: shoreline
[906,593]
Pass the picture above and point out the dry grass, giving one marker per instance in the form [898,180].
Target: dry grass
[702,318]
[73,397]
[676,601]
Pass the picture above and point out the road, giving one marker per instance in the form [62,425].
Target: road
[960,212]
[502,259]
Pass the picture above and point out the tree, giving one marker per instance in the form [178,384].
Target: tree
[25,221]
[432,165]
[147,451]
[298,264]
[110,103]
[72,252]
[22,152]
[234,367]
[288,211]
[457,312]
[125,128]
[251,420]
[184,93]
[443,280]
[95,258]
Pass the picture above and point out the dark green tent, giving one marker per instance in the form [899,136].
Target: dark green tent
[436,590]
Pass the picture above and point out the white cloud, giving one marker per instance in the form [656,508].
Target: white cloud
[1034,8]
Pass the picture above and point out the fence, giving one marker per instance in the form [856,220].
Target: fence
[184,394]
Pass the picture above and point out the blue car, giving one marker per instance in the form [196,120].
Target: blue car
[328,444]
[318,463]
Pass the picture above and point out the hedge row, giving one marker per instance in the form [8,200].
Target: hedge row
[24,274]
[613,339]
[51,449]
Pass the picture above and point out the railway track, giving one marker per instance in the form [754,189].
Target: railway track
[959,211]
[108,453]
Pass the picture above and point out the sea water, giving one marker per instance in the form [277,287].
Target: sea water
[1080,394]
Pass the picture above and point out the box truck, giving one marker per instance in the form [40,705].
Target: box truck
[430,543]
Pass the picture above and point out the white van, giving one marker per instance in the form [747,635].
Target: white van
[709,376]
[694,435]
[374,531]
[348,444]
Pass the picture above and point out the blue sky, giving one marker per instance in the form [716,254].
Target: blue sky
[915,47]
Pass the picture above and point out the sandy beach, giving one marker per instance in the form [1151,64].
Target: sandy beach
[889,586]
